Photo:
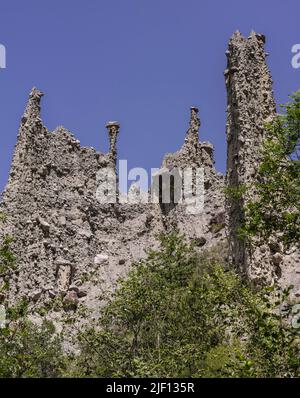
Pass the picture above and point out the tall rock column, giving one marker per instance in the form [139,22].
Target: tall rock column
[192,138]
[113,131]
[250,106]
[29,147]
[111,162]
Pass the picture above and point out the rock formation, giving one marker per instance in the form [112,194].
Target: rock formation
[71,249]
[250,106]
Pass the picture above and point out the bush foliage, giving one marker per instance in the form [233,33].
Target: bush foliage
[275,208]
[179,314]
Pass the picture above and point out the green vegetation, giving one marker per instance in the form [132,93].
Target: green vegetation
[179,314]
[28,350]
[276,207]
[7,260]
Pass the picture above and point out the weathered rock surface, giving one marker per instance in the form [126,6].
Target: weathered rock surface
[71,249]
[250,105]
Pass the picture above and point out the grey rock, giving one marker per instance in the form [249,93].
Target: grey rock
[66,239]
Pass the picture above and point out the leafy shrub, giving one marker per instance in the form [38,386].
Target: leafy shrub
[179,314]
[28,350]
[275,209]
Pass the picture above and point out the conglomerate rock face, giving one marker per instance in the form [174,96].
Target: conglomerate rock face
[71,248]
[250,106]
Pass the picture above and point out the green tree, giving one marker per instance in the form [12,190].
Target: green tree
[276,206]
[181,314]
[7,260]
[30,351]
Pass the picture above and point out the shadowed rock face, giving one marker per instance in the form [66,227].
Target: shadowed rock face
[71,248]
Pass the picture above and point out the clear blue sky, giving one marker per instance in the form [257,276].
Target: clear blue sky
[142,62]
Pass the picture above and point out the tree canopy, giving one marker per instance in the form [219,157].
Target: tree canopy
[275,208]
[181,314]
